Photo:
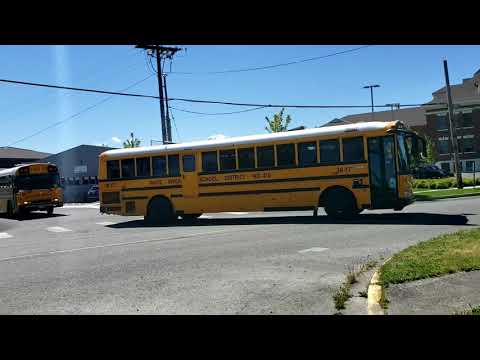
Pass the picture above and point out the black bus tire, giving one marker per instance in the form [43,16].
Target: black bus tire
[159,212]
[340,204]
[50,210]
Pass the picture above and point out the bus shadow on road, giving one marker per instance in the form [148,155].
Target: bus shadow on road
[32,216]
[366,219]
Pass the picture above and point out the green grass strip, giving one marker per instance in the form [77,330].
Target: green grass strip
[446,194]
[445,254]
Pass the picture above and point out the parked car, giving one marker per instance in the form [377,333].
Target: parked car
[431,172]
[92,194]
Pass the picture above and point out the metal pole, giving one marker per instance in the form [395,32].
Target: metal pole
[453,132]
[371,96]
[474,161]
[160,93]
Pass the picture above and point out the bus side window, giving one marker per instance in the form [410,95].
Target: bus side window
[113,169]
[174,165]
[143,167]
[286,155]
[353,149]
[265,156]
[159,164]
[246,158]
[209,161]
[227,160]
[188,163]
[329,151]
[128,168]
[307,153]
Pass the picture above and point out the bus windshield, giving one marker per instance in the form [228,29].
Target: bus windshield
[404,154]
[40,181]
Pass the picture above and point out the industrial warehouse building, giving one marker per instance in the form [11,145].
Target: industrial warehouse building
[11,156]
[78,168]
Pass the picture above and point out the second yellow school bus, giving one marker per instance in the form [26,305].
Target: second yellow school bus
[344,169]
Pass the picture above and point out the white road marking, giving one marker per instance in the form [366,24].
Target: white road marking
[57,229]
[314,249]
[4,235]
[236,213]
[105,223]
[205,217]
[112,245]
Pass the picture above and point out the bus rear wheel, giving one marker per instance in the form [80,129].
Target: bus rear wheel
[341,204]
[159,212]
[190,217]
[50,211]
[9,210]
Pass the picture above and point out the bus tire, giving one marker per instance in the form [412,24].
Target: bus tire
[159,212]
[339,203]
[50,211]
[190,217]
[9,209]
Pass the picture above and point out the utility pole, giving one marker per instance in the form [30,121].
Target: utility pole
[162,52]
[453,130]
[371,97]
[169,126]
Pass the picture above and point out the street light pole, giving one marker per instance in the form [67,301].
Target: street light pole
[371,97]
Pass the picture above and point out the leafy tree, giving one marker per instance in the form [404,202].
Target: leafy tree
[278,123]
[430,151]
[132,142]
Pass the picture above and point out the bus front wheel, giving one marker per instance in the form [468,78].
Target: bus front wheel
[340,204]
[50,211]
[159,212]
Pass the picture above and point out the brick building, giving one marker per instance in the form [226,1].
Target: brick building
[432,121]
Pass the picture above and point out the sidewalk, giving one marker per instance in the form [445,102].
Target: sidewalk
[443,295]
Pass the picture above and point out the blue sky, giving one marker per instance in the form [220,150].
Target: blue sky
[407,74]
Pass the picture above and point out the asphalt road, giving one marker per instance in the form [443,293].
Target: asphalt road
[82,262]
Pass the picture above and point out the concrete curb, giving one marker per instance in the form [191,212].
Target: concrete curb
[375,294]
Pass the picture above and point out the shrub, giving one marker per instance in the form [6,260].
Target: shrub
[433,185]
[467,182]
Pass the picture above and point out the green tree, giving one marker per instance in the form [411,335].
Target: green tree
[132,142]
[278,123]
[430,151]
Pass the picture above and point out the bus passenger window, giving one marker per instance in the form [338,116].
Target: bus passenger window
[113,169]
[286,155]
[246,158]
[128,168]
[353,149]
[209,161]
[265,156]
[307,153]
[228,160]
[188,163]
[173,165]
[143,167]
[159,164]
[329,151]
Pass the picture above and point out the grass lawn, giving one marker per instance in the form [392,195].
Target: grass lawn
[445,194]
[444,254]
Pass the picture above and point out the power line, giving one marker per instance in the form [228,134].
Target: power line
[122,93]
[222,113]
[274,66]
[77,114]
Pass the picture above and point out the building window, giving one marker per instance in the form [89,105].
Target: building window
[329,151]
[228,160]
[143,167]
[159,165]
[353,149]
[443,146]
[128,168]
[188,163]
[209,161]
[442,122]
[265,156]
[466,120]
[466,145]
[113,169]
[286,155]
[246,158]
[469,165]
[173,165]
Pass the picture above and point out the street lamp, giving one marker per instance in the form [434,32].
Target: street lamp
[371,96]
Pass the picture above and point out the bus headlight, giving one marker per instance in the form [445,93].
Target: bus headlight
[25,203]
[56,200]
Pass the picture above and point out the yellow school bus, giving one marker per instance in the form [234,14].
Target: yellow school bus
[344,169]
[30,187]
